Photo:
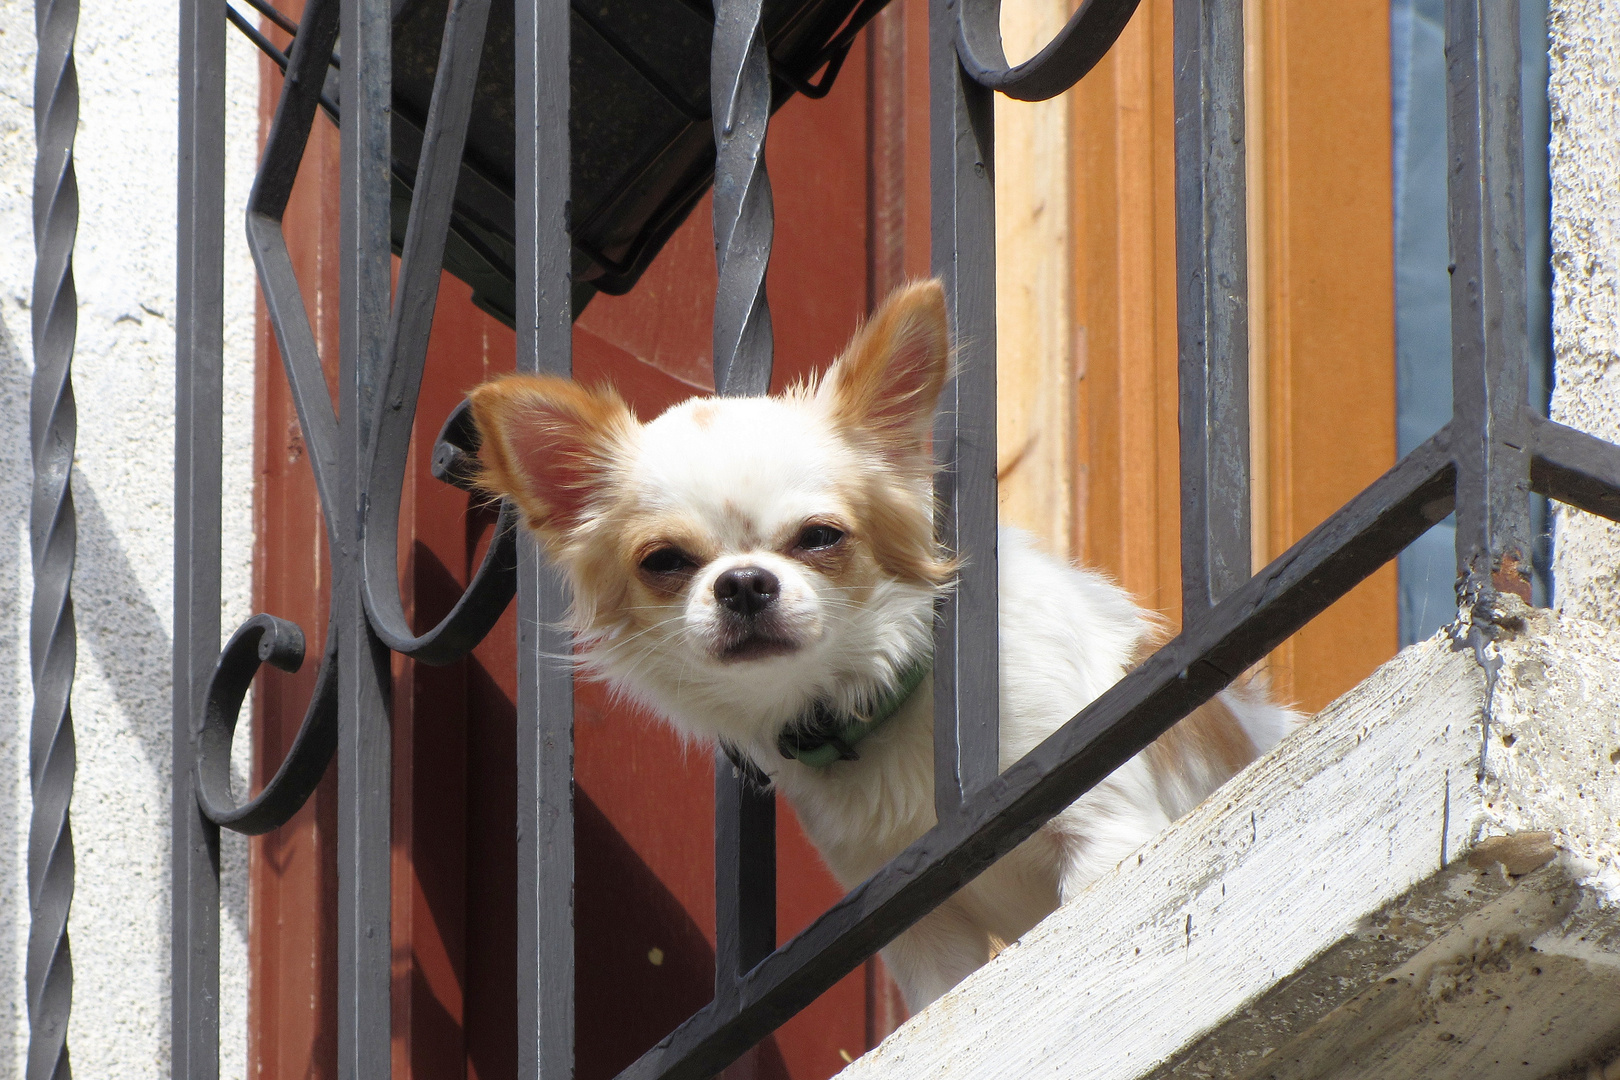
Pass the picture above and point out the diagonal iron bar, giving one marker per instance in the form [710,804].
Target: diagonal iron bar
[1328,562]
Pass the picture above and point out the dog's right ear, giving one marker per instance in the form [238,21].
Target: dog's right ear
[549,445]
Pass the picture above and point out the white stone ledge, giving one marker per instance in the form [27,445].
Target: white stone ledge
[1368,900]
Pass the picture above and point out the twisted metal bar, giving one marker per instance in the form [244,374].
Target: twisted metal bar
[744,221]
[744,218]
[54,534]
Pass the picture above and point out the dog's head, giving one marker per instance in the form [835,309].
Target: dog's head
[737,558]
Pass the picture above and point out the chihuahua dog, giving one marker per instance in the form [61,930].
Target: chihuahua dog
[761,572]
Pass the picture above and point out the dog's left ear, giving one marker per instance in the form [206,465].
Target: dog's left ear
[888,381]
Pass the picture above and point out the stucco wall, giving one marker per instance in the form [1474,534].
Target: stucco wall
[123,489]
[1585,100]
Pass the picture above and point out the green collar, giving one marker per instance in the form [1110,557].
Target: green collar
[825,735]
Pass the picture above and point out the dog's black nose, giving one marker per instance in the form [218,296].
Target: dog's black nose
[747,590]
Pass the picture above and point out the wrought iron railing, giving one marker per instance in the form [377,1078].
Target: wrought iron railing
[53,541]
[1483,465]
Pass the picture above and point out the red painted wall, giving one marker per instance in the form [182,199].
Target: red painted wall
[645,889]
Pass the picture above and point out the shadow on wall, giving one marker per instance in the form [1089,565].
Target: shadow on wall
[121,630]
[15,471]
[134,652]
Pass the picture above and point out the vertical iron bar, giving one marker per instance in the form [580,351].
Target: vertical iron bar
[53,535]
[364,738]
[199,435]
[1490,378]
[1212,310]
[962,122]
[744,874]
[744,223]
[885,271]
[545,692]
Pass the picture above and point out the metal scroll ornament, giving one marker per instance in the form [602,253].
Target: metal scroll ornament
[644,155]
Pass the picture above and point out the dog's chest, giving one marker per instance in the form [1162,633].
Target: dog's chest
[859,814]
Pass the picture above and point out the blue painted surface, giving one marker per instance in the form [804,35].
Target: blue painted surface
[1423,285]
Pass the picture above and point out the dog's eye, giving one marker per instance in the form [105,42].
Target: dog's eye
[817,537]
[666,560]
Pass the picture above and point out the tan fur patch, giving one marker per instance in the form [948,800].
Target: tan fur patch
[637,536]
[900,534]
[602,588]
[1210,734]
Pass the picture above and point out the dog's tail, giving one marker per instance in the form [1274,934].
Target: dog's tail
[1262,719]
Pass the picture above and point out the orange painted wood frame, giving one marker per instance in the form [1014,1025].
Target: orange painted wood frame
[1325,285]
[1322,309]
[850,181]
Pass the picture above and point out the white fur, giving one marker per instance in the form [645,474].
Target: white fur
[752,470]
[1067,635]
[761,467]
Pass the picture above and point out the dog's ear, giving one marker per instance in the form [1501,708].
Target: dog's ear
[549,445]
[888,381]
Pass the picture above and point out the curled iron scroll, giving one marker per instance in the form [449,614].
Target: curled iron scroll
[264,639]
[410,322]
[492,586]
[1088,35]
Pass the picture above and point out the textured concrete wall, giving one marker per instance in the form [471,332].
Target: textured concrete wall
[123,488]
[1585,99]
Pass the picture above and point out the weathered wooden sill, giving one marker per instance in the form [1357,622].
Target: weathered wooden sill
[1404,888]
